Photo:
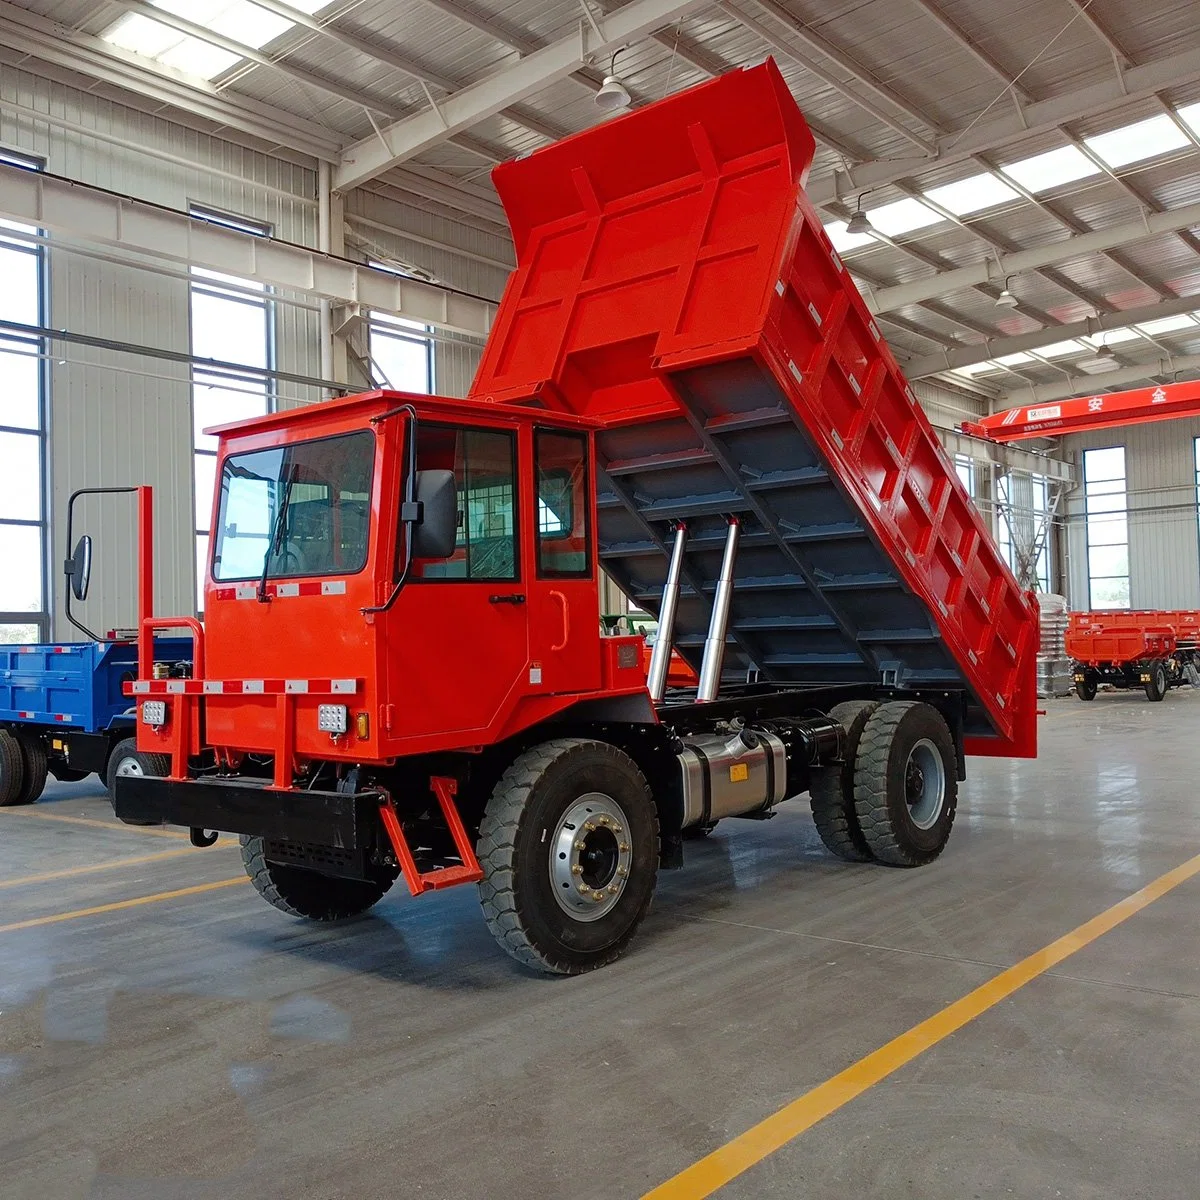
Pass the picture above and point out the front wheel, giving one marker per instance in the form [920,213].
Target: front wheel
[300,892]
[906,783]
[569,849]
[127,759]
[1156,685]
[1086,689]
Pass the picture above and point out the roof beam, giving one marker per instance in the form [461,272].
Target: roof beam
[1047,255]
[1094,23]
[27,33]
[514,39]
[407,138]
[98,217]
[1009,457]
[966,356]
[964,42]
[1042,116]
[1086,385]
[768,35]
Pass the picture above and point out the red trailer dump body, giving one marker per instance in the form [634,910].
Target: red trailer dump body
[1116,644]
[1128,648]
[675,284]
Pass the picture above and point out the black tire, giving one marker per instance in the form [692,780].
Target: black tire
[831,791]
[906,783]
[313,895]
[526,841]
[127,759]
[1086,690]
[1156,685]
[12,770]
[34,768]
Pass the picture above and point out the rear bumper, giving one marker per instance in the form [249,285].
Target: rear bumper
[344,821]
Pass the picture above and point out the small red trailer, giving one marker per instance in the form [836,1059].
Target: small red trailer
[401,670]
[1130,648]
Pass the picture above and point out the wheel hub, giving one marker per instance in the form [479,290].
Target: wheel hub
[925,784]
[590,857]
[129,766]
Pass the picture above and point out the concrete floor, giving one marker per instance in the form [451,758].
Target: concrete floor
[208,1046]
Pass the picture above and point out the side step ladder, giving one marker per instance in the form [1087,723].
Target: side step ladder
[469,871]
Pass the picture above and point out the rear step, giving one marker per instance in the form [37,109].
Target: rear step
[469,871]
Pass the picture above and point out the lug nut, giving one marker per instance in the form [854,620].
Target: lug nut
[597,895]
[580,844]
[576,870]
[589,825]
[624,847]
[583,887]
[616,828]
[613,889]
[623,872]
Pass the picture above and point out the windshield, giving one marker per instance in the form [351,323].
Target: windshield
[300,509]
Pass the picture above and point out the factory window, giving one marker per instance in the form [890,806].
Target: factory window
[23,593]
[964,467]
[1106,514]
[401,351]
[232,328]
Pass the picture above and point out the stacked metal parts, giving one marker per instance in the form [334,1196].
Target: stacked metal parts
[1053,664]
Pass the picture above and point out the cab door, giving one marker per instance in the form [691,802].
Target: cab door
[565,604]
[458,639]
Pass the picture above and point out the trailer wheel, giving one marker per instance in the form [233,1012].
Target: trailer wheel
[569,849]
[1086,690]
[300,892]
[34,768]
[831,792]
[906,783]
[12,770]
[1156,685]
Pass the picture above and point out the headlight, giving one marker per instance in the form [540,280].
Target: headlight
[333,718]
[154,712]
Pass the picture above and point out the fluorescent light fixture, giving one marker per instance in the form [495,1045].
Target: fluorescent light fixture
[1052,169]
[844,242]
[238,20]
[903,216]
[1166,325]
[1142,139]
[1059,349]
[973,194]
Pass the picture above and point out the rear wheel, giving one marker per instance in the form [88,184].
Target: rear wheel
[1156,685]
[569,849]
[300,892]
[127,759]
[1086,690]
[906,783]
[34,768]
[12,770]
[831,792]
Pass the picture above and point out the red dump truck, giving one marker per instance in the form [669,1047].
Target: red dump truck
[1155,649]
[402,672]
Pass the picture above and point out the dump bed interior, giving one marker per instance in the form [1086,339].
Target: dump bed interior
[674,283]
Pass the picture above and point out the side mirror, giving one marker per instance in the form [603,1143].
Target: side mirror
[79,568]
[437,533]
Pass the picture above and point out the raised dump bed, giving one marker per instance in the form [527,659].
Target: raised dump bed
[675,284]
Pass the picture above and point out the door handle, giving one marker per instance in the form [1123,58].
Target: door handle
[511,598]
[566,621]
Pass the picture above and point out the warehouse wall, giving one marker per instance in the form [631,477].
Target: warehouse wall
[1164,546]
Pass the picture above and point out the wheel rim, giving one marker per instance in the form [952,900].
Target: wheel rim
[925,784]
[590,857]
[129,766]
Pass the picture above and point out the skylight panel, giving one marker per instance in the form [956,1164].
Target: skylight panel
[238,20]
[973,369]
[1052,169]
[844,242]
[1058,349]
[1166,325]
[903,216]
[973,194]
[1142,139]
[1113,337]
[1012,360]
[1190,116]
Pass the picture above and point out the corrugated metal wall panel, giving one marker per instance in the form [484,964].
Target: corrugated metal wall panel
[117,420]
[1164,537]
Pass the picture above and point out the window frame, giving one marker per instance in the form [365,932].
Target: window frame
[513,435]
[286,447]
[588,569]
[1109,489]
[42,617]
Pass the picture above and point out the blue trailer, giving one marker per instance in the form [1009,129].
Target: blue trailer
[63,712]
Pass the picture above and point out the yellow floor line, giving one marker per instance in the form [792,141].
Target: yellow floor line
[121,905]
[95,822]
[743,1152]
[92,868]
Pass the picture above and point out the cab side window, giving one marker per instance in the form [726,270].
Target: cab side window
[564,512]
[484,462]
